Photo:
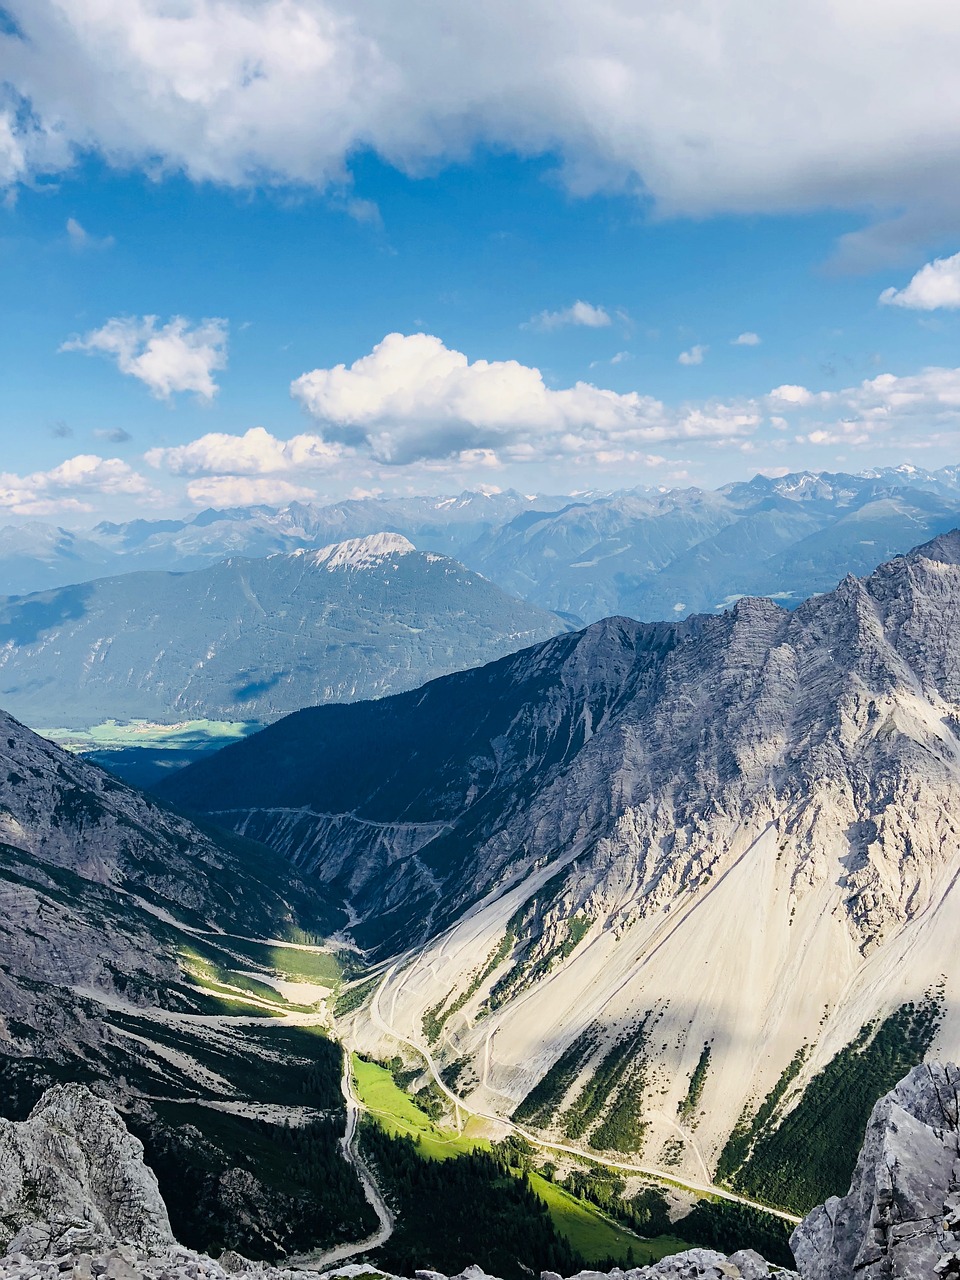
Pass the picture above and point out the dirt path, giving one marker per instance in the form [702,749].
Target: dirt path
[350,1151]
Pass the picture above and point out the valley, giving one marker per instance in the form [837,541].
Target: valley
[617,929]
[641,890]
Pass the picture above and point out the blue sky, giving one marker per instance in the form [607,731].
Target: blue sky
[269,249]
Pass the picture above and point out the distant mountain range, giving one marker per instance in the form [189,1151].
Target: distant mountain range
[661,555]
[647,553]
[252,640]
[688,889]
[35,556]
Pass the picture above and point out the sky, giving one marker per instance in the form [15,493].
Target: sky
[267,250]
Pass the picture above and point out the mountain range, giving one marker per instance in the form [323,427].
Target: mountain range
[253,639]
[649,553]
[685,889]
[656,555]
[35,556]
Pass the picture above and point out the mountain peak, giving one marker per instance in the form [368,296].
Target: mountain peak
[361,553]
[945,548]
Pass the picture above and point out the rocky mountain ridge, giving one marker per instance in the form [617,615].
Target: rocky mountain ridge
[75,1185]
[643,885]
[254,639]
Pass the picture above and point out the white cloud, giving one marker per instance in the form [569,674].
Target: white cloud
[934,286]
[693,356]
[82,239]
[414,398]
[173,357]
[618,358]
[789,394]
[746,340]
[255,453]
[67,486]
[702,108]
[891,408]
[579,313]
[851,435]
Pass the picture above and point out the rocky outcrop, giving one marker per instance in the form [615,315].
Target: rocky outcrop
[901,1217]
[73,1178]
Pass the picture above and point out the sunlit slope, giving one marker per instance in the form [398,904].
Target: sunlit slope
[656,873]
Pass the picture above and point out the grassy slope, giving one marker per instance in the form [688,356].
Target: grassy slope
[588,1231]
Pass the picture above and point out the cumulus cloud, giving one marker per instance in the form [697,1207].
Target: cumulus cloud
[895,409]
[936,285]
[116,435]
[693,356]
[176,356]
[69,486]
[255,453]
[413,398]
[746,340]
[701,109]
[579,313]
[790,394]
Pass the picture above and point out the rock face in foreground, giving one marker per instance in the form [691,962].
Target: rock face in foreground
[73,1185]
[901,1217]
[73,1177]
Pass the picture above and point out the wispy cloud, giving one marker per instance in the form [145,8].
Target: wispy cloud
[578,313]
[747,339]
[693,356]
[80,238]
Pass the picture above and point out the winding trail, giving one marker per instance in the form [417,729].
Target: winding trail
[664,1175]
[350,1150]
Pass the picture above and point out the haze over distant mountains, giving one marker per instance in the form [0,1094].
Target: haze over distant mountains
[647,553]
[646,882]
[254,639]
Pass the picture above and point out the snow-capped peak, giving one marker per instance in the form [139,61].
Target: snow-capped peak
[361,553]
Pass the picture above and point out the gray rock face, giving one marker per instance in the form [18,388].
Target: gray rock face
[797,770]
[73,1175]
[901,1217]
